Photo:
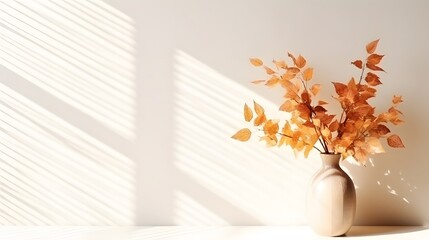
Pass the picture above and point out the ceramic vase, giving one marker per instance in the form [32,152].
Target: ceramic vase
[331,199]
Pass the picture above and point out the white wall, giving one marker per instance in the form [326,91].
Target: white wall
[120,112]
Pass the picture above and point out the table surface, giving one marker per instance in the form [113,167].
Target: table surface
[205,233]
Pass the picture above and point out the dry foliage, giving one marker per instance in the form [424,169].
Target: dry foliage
[355,132]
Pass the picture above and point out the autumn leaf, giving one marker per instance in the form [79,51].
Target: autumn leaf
[374,67]
[280,64]
[271,127]
[397,99]
[257,81]
[320,102]
[370,47]
[292,57]
[287,106]
[395,141]
[242,135]
[307,74]
[375,145]
[382,130]
[374,59]
[340,88]
[358,64]
[269,71]
[360,155]
[259,110]
[334,126]
[303,110]
[256,62]
[315,89]
[306,97]
[260,119]
[271,141]
[300,61]
[272,81]
[372,79]
[248,114]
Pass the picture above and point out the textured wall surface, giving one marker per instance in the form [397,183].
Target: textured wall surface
[121,112]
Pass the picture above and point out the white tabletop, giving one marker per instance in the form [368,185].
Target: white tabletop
[203,233]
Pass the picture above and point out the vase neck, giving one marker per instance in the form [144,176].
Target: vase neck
[331,160]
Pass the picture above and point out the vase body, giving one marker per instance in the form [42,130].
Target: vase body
[331,200]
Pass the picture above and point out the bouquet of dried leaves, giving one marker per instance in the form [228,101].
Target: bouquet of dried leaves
[355,132]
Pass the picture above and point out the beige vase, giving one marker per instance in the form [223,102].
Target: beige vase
[331,200]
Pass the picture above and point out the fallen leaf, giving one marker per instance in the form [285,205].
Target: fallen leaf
[395,141]
[242,135]
[248,114]
[256,62]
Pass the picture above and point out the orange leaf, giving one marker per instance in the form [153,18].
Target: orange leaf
[340,88]
[370,47]
[257,81]
[271,127]
[242,135]
[374,67]
[358,64]
[287,106]
[270,140]
[395,141]
[308,124]
[280,64]
[300,61]
[260,119]
[272,81]
[303,110]
[308,74]
[334,126]
[320,109]
[374,59]
[306,97]
[375,145]
[259,110]
[315,89]
[248,114]
[326,133]
[256,62]
[269,71]
[382,130]
[360,155]
[372,79]
[320,102]
[397,99]
[292,57]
